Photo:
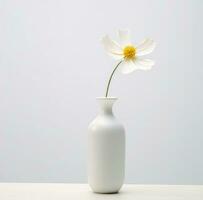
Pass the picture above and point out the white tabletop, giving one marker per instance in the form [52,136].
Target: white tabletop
[52,191]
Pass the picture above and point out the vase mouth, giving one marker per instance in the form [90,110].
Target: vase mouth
[107,98]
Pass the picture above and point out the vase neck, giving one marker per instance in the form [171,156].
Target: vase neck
[106,104]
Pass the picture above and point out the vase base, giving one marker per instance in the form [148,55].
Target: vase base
[111,192]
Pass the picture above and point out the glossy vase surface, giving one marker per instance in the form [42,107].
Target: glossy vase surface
[106,150]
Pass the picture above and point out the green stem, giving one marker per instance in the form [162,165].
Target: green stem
[110,78]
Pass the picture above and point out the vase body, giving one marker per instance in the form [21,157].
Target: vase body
[106,150]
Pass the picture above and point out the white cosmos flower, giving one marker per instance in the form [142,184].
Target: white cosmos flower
[129,53]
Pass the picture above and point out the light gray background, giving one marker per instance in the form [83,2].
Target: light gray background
[52,66]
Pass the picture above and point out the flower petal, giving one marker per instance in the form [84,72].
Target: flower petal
[143,44]
[124,36]
[127,66]
[146,62]
[111,46]
[115,56]
[146,47]
[143,64]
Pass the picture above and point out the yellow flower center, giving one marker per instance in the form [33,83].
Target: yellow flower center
[129,52]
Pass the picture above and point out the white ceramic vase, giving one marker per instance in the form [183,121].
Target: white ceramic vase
[106,150]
